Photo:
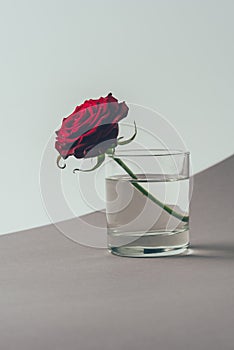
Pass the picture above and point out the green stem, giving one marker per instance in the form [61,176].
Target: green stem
[149,195]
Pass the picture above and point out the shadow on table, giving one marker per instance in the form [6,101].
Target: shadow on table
[210,251]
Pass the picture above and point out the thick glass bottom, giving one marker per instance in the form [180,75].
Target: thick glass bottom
[150,245]
[141,252]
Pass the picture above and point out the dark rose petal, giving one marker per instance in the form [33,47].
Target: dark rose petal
[91,129]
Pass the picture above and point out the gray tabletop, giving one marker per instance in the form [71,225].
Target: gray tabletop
[56,294]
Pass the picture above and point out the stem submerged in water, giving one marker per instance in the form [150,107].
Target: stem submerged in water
[149,195]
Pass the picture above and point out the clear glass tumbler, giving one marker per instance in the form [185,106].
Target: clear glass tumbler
[147,202]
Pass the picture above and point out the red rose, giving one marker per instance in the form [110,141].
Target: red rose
[91,123]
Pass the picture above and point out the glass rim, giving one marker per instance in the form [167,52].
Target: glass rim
[156,152]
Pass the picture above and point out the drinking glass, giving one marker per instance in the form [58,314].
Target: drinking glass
[147,202]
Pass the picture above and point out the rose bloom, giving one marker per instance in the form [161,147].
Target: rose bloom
[91,129]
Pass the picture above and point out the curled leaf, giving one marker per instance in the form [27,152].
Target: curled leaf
[121,143]
[100,160]
[57,162]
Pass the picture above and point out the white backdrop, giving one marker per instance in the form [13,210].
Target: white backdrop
[173,56]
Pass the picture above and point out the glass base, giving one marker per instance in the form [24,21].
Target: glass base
[150,245]
[141,252]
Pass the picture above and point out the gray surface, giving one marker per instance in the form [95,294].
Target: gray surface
[56,294]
